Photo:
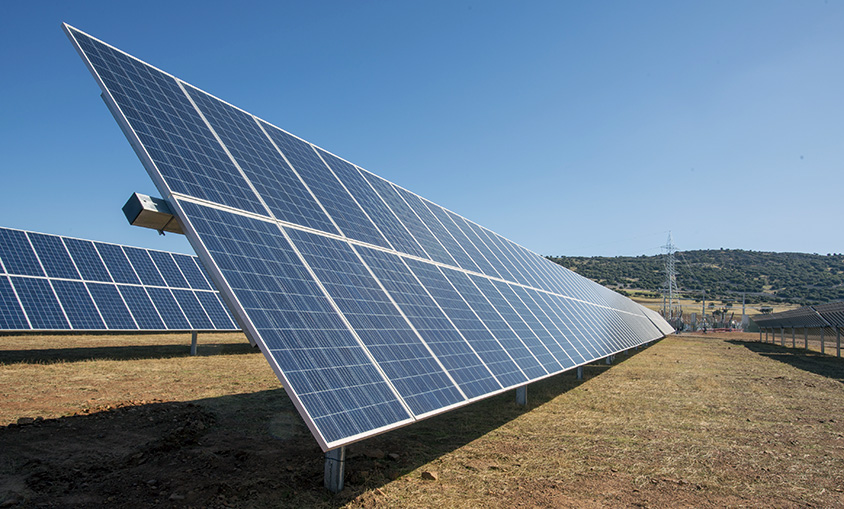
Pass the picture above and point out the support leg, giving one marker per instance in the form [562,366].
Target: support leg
[805,338]
[823,342]
[608,360]
[335,469]
[193,335]
[782,336]
[580,372]
[793,341]
[760,335]
[838,341]
[521,395]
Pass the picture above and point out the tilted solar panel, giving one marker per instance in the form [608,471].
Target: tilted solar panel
[375,307]
[49,282]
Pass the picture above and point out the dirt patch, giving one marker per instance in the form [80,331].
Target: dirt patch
[690,421]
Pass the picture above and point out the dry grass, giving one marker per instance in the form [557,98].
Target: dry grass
[691,420]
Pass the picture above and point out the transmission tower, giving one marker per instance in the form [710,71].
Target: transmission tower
[670,290]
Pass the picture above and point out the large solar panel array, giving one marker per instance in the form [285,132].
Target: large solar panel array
[53,283]
[375,306]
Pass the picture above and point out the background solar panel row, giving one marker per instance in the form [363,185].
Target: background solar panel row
[375,306]
[821,315]
[48,282]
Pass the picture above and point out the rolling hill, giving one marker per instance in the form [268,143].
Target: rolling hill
[724,273]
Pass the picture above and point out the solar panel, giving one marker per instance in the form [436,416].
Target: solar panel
[375,306]
[55,283]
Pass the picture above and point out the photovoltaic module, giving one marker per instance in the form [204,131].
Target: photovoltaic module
[374,306]
[56,283]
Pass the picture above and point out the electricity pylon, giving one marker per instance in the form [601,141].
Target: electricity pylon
[670,290]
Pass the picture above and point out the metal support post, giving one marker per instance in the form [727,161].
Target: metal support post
[609,359]
[805,338]
[823,342]
[580,372]
[782,336]
[193,335]
[521,395]
[793,341]
[760,335]
[335,469]
[838,341]
[766,335]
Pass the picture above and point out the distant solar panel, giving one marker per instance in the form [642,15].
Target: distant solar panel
[374,306]
[54,283]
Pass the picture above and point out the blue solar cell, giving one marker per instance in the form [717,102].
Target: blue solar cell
[549,320]
[17,255]
[387,191]
[117,263]
[522,365]
[520,304]
[111,306]
[177,140]
[390,339]
[167,268]
[323,363]
[78,305]
[484,247]
[550,304]
[452,350]
[144,267]
[215,310]
[53,255]
[519,327]
[187,264]
[40,303]
[168,308]
[279,187]
[87,260]
[193,310]
[373,205]
[493,356]
[461,239]
[329,191]
[495,250]
[11,312]
[141,307]
[571,318]
[439,231]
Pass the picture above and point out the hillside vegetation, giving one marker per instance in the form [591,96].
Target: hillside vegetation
[724,273]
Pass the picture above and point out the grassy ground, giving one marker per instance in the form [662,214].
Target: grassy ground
[690,421]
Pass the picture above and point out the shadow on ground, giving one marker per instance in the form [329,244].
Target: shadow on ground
[116,353]
[806,360]
[240,450]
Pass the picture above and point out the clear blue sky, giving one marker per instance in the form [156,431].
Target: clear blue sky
[578,128]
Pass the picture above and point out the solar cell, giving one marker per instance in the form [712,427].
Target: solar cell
[11,313]
[62,283]
[39,302]
[374,306]
[78,304]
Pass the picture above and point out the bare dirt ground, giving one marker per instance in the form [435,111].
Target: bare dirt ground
[133,421]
